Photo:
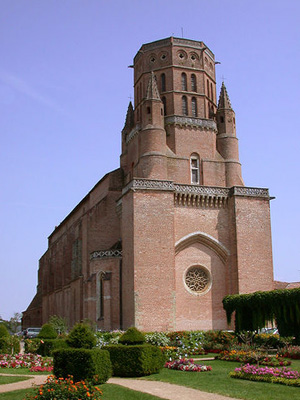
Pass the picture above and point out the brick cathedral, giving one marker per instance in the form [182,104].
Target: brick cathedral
[160,241]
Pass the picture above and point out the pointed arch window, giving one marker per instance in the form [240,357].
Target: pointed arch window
[195,169]
[211,92]
[163,82]
[183,82]
[193,83]
[184,106]
[207,88]
[194,107]
[165,105]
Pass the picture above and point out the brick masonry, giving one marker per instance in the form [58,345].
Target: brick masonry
[159,242]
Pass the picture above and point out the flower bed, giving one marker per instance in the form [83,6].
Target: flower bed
[284,375]
[187,365]
[24,361]
[65,389]
[292,352]
[252,357]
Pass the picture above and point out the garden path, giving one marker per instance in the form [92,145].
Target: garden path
[160,389]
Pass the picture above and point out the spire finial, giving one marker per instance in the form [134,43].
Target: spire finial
[224,102]
[152,89]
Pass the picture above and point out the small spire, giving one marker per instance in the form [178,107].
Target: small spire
[129,121]
[152,89]
[224,102]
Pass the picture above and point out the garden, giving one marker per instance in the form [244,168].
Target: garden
[241,364]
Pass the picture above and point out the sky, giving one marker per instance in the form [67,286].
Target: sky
[64,90]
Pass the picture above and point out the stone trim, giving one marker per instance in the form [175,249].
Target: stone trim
[132,133]
[106,254]
[148,184]
[249,191]
[194,122]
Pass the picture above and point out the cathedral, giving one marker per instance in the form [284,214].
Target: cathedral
[160,241]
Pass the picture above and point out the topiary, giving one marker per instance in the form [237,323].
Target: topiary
[3,331]
[132,337]
[47,332]
[81,336]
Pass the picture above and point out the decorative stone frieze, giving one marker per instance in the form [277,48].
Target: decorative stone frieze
[205,124]
[148,184]
[200,196]
[249,191]
[106,254]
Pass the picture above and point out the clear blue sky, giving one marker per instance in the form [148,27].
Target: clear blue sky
[64,92]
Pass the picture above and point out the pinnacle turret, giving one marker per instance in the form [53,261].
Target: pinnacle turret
[152,89]
[224,102]
[129,121]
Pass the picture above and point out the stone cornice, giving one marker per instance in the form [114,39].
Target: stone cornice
[196,195]
[132,133]
[193,122]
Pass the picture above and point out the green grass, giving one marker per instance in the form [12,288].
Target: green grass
[218,381]
[21,371]
[11,379]
[16,395]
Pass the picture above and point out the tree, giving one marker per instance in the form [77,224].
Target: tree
[59,324]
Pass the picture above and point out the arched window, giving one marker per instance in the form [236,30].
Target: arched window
[184,106]
[101,297]
[211,92]
[183,82]
[195,169]
[165,105]
[208,88]
[193,83]
[194,107]
[163,82]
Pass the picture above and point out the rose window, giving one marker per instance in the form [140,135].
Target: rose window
[197,279]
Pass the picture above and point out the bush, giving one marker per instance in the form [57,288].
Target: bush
[132,337]
[81,337]
[9,344]
[138,360]
[47,346]
[47,332]
[157,339]
[3,331]
[83,364]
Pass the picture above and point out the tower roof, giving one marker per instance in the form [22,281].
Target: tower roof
[152,89]
[224,101]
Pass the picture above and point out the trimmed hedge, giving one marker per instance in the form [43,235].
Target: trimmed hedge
[47,332]
[47,346]
[137,360]
[81,336]
[83,364]
[132,336]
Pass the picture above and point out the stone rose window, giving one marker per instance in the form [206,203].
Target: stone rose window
[197,280]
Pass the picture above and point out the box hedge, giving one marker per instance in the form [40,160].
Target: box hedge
[47,346]
[135,360]
[83,364]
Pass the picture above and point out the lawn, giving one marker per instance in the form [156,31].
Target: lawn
[11,379]
[218,381]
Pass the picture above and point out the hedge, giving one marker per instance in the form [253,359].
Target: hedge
[135,360]
[83,364]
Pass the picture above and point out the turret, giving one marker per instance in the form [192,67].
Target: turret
[227,142]
[152,144]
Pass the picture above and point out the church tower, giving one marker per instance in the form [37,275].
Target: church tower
[160,241]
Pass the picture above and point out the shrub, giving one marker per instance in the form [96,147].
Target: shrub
[132,337]
[3,331]
[292,352]
[47,346]
[47,332]
[81,337]
[65,389]
[9,344]
[83,364]
[136,360]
